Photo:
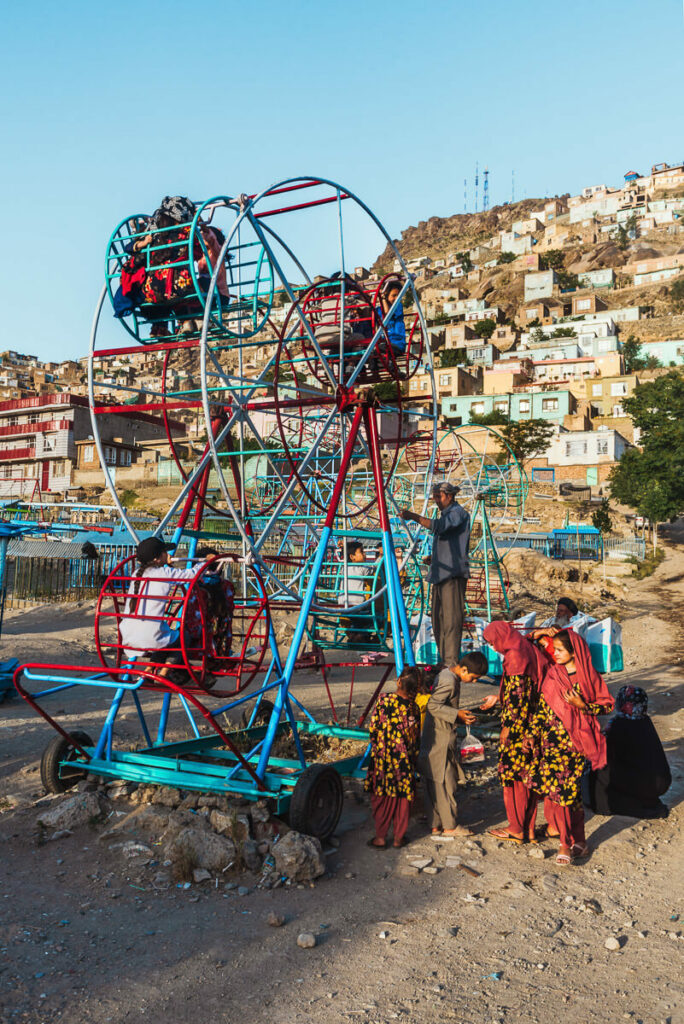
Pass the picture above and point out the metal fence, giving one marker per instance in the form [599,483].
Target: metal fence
[614,547]
[33,579]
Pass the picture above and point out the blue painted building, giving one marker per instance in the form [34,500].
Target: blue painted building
[667,352]
[526,405]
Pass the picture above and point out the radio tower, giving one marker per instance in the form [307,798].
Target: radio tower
[485,190]
[477,182]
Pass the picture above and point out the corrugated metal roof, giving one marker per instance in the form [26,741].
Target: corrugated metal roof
[41,549]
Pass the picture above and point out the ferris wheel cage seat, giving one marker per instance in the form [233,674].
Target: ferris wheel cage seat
[210,646]
[162,275]
[339,308]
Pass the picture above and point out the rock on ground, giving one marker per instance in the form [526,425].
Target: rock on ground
[298,857]
[201,849]
[74,812]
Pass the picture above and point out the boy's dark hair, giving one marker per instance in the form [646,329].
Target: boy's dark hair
[564,637]
[474,662]
[411,679]
[353,546]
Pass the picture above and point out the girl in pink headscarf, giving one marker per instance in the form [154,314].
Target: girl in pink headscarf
[567,734]
[524,666]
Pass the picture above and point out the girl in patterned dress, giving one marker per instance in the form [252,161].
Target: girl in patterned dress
[566,734]
[524,666]
[395,742]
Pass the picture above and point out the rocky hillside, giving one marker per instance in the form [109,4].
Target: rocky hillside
[441,235]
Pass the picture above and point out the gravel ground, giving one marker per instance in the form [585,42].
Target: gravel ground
[85,937]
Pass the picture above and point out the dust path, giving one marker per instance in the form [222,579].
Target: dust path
[84,938]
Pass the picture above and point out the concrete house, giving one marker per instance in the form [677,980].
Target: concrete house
[548,405]
[540,285]
[603,278]
[583,304]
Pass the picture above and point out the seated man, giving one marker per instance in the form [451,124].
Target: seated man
[566,609]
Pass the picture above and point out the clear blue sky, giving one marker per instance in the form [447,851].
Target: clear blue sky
[105,108]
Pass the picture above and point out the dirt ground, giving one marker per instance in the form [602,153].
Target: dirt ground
[85,938]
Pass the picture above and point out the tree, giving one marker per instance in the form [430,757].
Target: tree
[485,328]
[601,518]
[631,350]
[554,259]
[441,318]
[465,261]
[527,438]
[507,257]
[677,295]
[566,280]
[651,480]
[488,419]
[534,323]
[563,332]
[538,335]
[453,357]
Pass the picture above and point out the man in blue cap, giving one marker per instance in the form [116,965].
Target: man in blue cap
[449,568]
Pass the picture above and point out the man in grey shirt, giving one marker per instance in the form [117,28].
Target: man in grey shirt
[449,568]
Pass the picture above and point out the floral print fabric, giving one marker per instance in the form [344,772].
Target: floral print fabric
[558,766]
[518,706]
[395,740]
[631,702]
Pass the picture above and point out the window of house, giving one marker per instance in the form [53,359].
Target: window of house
[444,380]
[524,405]
[575,447]
[597,389]
[618,410]
[531,314]
[501,406]
[602,447]
[477,353]
[125,458]
[88,452]
[423,385]
[549,404]
[110,456]
[477,407]
[618,388]
[584,304]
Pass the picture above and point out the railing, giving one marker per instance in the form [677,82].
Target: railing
[15,429]
[629,547]
[566,547]
[11,454]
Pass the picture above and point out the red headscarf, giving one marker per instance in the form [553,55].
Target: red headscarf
[583,729]
[520,656]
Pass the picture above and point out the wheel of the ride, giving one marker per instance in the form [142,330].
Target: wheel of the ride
[326,351]
[317,801]
[220,639]
[58,751]
[262,716]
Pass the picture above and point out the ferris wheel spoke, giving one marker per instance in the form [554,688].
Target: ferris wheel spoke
[295,302]
[292,483]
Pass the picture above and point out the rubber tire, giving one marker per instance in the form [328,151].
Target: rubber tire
[57,751]
[263,715]
[317,801]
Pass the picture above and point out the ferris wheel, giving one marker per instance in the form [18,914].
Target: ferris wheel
[263,367]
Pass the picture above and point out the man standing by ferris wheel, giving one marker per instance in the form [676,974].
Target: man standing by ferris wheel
[449,568]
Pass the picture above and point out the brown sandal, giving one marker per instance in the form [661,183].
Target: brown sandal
[504,836]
